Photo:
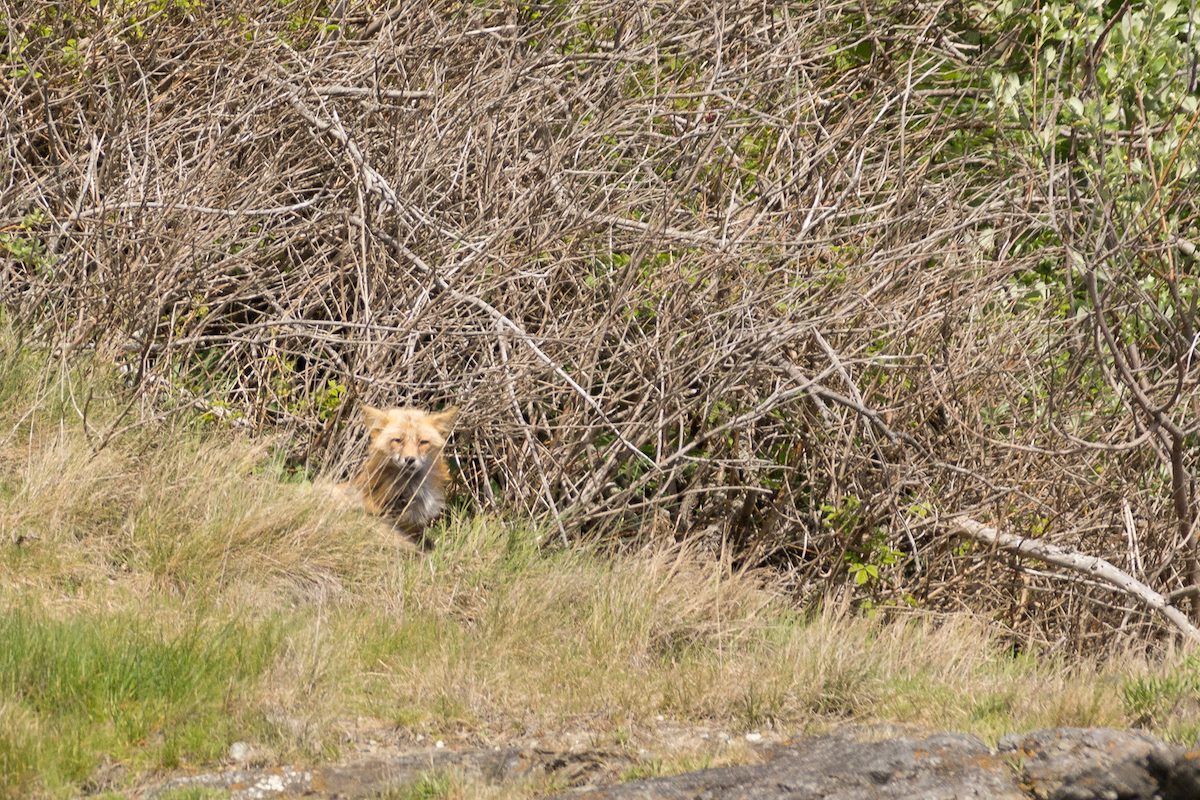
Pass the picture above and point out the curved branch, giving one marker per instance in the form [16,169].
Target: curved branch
[1093,566]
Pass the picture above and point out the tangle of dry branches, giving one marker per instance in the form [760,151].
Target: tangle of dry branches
[689,267]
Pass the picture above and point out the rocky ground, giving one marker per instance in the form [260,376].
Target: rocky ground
[852,764]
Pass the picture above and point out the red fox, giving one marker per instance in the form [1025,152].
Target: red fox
[404,476]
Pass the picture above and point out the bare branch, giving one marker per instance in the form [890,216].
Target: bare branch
[1093,566]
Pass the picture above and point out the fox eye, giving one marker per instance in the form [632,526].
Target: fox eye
[424,443]
[397,440]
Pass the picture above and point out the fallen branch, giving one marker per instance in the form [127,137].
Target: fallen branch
[1093,566]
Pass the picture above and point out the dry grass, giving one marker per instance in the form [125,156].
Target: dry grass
[714,266]
[203,582]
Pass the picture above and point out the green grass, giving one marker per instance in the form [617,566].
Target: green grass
[75,689]
[1167,698]
[433,786]
[168,594]
[195,793]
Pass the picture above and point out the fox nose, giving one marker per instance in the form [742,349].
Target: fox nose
[409,461]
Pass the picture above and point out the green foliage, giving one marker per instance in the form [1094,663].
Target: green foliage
[868,558]
[1103,89]
[53,47]
[24,242]
[329,399]
[63,42]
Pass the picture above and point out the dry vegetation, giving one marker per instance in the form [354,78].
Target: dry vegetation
[173,594]
[802,281]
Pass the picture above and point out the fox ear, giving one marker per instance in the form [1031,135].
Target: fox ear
[443,419]
[374,419]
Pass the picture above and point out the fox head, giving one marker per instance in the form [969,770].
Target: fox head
[410,439]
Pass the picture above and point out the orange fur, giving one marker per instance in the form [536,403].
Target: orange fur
[404,476]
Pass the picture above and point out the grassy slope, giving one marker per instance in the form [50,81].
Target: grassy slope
[172,593]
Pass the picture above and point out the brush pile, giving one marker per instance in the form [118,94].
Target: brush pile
[805,279]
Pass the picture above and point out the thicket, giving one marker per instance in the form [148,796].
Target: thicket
[806,280]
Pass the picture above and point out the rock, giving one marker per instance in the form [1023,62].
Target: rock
[1183,776]
[257,784]
[1105,764]
[946,767]
[373,777]
[1057,764]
